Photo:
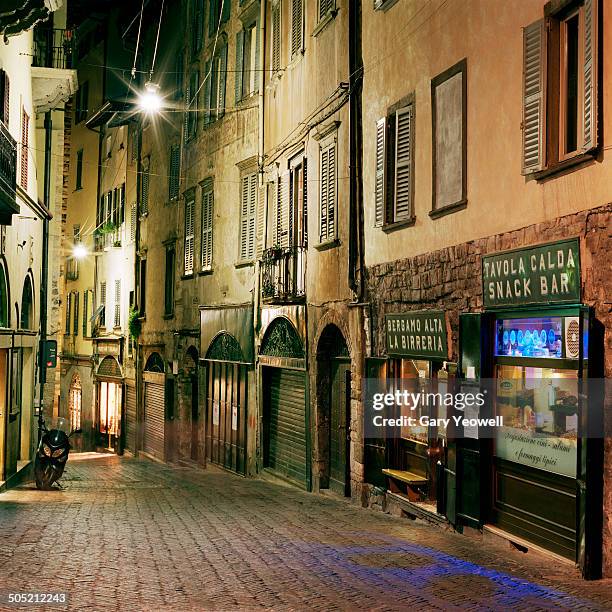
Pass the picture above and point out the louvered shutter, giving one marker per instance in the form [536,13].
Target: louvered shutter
[221,80]
[534,89]
[213,17]
[239,65]
[403,164]
[198,25]
[261,216]
[207,92]
[187,110]
[133,218]
[117,321]
[25,142]
[257,76]
[380,182]
[297,16]
[325,6]
[252,214]
[283,210]
[328,193]
[590,70]
[324,180]
[276,36]
[68,308]
[175,159]
[75,322]
[244,218]
[85,312]
[189,235]
[5,92]
[304,237]
[207,224]
[145,191]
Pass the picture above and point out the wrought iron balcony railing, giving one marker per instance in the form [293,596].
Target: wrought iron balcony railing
[53,48]
[283,274]
[8,166]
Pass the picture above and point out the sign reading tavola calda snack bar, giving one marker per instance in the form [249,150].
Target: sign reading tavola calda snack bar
[417,334]
[539,275]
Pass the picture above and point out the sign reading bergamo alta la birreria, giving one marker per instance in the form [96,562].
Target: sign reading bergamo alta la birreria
[549,273]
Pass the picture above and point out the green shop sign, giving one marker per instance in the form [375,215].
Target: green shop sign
[545,274]
[418,334]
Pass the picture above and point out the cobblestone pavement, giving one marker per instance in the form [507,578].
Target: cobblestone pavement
[128,534]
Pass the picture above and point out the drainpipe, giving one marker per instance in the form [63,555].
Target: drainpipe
[45,272]
[356,230]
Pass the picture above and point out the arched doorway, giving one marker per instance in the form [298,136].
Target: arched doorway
[334,411]
[4,297]
[154,407]
[286,436]
[226,403]
[109,383]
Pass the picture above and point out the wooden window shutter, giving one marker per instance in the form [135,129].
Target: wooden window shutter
[297,26]
[187,111]
[68,308]
[276,36]
[282,217]
[207,224]
[5,97]
[239,65]
[248,216]
[257,78]
[133,220]
[327,222]
[144,200]
[304,241]
[325,6]
[590,72]
[175,163]
[261,219]
[534,97]
[25,142]
[221,80]
[122,204]
[403,175]
[324,180]
[117,321]
[75,320]
[86,315]
[208,91]
[189,234]
[381,174]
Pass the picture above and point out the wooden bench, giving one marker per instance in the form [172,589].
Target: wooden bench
[406,483]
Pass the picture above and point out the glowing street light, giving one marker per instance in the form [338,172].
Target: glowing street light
[150,101]
[79,251]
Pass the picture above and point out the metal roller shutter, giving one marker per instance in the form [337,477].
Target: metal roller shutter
[130,418]
[285,426]
[154,420]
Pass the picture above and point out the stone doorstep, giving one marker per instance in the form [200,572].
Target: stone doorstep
[417,510]
[495,533]
[22,475]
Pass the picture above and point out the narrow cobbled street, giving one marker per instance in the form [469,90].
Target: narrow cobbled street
[127,534]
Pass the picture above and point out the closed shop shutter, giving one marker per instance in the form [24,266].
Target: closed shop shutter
[285,424]
[154,419]
[130,418]
[226,415]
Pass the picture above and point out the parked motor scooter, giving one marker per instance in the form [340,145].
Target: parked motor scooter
[52,452]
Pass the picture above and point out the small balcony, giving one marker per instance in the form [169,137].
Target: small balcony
[283,275]
[53,79]
[8,176]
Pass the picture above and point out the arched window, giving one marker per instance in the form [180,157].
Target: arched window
[74,402]
[4,298]
[27,305]
[154,363]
